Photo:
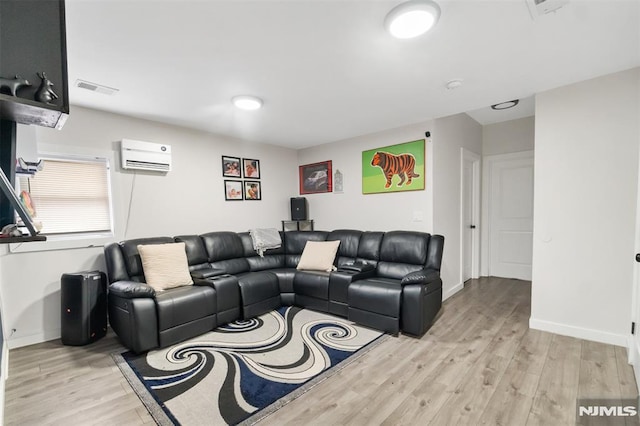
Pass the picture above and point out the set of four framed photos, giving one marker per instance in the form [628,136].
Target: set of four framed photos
[238,190]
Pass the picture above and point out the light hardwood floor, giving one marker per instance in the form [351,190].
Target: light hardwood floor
[479,364]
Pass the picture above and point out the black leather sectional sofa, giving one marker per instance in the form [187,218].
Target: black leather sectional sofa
[385,280]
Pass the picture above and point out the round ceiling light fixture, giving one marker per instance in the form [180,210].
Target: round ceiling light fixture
[247,102]
[453,84]
[505,105]
[412,18]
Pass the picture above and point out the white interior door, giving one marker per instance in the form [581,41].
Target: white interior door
[470,215]
[511,215]
[633,349]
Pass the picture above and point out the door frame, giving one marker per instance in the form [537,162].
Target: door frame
[476,160]
[633,340]
[488,162]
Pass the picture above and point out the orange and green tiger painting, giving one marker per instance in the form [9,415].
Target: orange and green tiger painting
[402,165]
[394,168]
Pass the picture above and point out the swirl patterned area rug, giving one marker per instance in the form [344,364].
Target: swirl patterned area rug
[245,370]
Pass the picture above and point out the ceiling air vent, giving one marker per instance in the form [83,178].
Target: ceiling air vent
[98,88]
[543,7]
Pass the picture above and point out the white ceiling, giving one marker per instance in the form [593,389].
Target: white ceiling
[326,69]
[525,108]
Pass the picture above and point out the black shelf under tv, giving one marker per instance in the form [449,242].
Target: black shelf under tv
[25,111]
[34,45]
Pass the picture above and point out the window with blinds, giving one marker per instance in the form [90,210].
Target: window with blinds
[71,196]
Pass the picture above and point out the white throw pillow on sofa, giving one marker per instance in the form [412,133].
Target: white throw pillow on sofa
[165,265]
[318,255]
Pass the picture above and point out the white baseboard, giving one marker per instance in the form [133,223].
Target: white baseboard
[633,351]
[5,362]
[579,332]
[450,292]
[32,339]
[3,378]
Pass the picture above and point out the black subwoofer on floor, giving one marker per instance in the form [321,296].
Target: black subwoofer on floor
[83,298]
[298,208]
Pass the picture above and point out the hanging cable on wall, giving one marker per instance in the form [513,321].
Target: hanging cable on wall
[133,185]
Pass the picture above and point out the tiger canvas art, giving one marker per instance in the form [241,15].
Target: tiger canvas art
[394,168]
[402,165]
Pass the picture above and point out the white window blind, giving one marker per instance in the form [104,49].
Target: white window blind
[71,196]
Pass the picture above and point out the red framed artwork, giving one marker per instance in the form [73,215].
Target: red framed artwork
[315,178]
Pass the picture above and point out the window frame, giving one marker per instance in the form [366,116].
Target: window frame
[74,239]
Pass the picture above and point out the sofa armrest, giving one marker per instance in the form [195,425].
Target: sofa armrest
[131,290]
[423,276]
[203,274]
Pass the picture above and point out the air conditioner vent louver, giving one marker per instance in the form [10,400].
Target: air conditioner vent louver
[132,164]
[140,155]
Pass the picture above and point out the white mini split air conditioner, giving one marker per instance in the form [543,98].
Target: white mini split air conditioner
[140,155]
[544,7]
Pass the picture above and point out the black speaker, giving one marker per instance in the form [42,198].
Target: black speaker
[298,208]
[83,298]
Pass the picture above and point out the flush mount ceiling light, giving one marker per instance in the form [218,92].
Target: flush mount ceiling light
[247,103]
[412,18]
[453,84]
[505,105]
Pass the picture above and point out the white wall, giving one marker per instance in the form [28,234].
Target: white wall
[586,174]
[508,136]
[439,203]
[449,135]
[4,364]
[187,200]
[372,212]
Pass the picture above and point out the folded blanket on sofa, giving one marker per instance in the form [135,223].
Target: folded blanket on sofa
[265,239]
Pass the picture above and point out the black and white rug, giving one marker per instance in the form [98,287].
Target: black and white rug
[245,370]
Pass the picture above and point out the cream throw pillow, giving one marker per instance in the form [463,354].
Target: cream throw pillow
[319,255]
[165,265]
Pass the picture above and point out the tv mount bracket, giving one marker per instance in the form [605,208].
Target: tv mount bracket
[15,202]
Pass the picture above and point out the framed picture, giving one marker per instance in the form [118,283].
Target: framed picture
[251,168]
[231,166]
[233,190]
[252,190]
[315,178]
[394,168]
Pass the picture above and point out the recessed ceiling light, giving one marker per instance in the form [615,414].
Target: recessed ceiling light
[247,103]
[412,18]
[505,105]
[453,84]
